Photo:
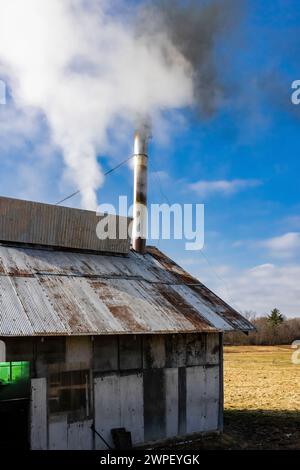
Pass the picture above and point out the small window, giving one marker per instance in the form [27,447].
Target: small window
[12,372]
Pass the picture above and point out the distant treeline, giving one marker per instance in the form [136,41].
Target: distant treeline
[268,333]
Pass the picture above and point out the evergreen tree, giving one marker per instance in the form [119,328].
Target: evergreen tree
[275,318]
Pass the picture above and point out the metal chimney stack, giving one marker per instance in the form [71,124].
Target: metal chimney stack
[139,228]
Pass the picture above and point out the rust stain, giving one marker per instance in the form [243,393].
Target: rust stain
[71,310]
[124,314]
[2,268]
[226,312]
[185,309]
[15,272]
[101,294]
[121,312]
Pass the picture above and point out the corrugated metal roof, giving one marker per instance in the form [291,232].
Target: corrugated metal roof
[45,292]
[61,227]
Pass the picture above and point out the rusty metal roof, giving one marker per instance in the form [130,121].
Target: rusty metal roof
[51,292]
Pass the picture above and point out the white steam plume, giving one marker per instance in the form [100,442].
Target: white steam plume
[86,67]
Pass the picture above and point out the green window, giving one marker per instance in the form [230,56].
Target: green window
[11,372]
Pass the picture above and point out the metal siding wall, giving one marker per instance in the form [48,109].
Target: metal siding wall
[202,385]
[171,397]
[132,406]
[19,349]
[195,399]
[182,397]
[119,403]
[38,424]
[107,408]
[154,352]
[212,348]
[78,350]
[196,350]
[48,351]
[73,436]
[80,436]
[130,350]
[175,350]
[212,399]
[58,433]
[105,354]
[154,405]
[53,225]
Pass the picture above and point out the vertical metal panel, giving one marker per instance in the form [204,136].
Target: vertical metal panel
[202,384]
[195,399]
[58,432]
[80,436]
[212,399]
[171,387]
[78,350]
[107,408]
[182,404]
[154,405]
[119,403]
[38,421]
[132,405]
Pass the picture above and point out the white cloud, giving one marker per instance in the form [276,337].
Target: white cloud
[227,187]
[258,289]
[284,246]
[264,287]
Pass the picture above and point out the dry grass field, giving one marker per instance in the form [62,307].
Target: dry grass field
[261,378]
[262,397]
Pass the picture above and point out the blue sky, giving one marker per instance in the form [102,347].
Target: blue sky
[252,230]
